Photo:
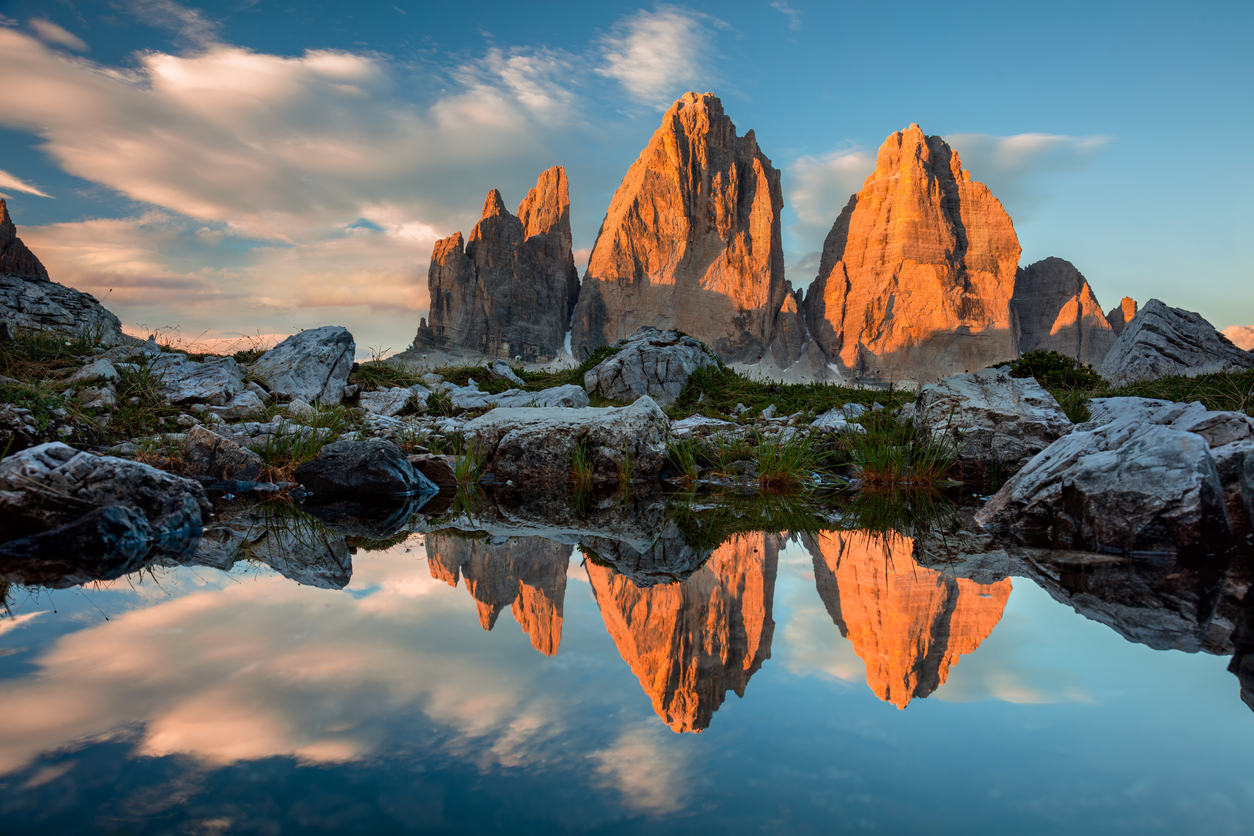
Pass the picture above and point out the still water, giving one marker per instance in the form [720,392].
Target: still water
[521,677]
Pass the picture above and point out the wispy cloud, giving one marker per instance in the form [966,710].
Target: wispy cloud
[51,33]
[793,15]
[187,24]
[656,55]
[817,188]
[14,183]
[1011,166]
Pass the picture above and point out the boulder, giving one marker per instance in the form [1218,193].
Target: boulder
[214,381]
[312,365]
[469,397]
[539,444]
[53,484]
[439,469]
[18,428]
[509,291]
[98,369]
[1162,341]
[246,405]
[1247,485]
[918,271]
[1143,476]
[650,362]
[290,542]
[692,241]
[373,467]
[500,370]
[999,419]
[206,453]
[840,420]
[29,300]
[388,402]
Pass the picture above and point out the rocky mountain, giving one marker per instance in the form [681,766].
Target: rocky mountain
[527,574]
[1161,341]
[908,623]
[917,274]
[1058,311]
[691,241]
[29,299]
[509,291]
[1120,316]
[692,641]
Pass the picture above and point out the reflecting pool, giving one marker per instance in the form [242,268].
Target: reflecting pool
[626,666]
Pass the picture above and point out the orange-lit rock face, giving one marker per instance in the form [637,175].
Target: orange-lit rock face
[917,273]
[693,641]
[526,573]
[909,624]
[691,240]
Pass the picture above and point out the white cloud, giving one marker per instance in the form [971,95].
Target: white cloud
[793,15]
[50,33]
[1241,335]
[657,55]
[11,181]
[817,188]
[189,24]
[643,768]
[1011,166]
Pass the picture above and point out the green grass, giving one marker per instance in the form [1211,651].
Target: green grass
[716,391]
[379,374]
[785,465]
[286,450]
[892,454]
[148,413]
[41,355]
[581,466]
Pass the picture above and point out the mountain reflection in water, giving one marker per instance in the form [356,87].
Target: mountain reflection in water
[342,648]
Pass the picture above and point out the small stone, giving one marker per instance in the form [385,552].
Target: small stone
[300,410]
[185,420]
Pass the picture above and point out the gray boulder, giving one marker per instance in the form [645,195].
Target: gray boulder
[53,484]
[539,444]
[650,362]
[245,406]
[313,365]
[103,544]
[208,454]
[374,467]
[500,370]
[1162,341]
[386,402]
[1143,476]
[98,369]
[214,381]
[469,397]
[839,420]
[999,418]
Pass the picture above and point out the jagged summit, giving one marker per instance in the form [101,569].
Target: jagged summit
[691,240]
[1058,311]
[15,258]
[917,273]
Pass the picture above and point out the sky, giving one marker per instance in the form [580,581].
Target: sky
[232,169]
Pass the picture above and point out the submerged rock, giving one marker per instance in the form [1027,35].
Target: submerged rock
[1000,419]
[1162,341]
[650,362]
[373,467]
[312,365]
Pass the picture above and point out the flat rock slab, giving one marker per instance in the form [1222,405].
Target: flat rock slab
[313,365]
[539,443]
[1162,341]
[650,362]
[568,396]
[999,418]
[215,381]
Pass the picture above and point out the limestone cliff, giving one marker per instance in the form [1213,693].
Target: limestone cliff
[1058,311]
[527,574]
[691,241]
[692,641]
[908,623]
[1120,316]
[917,273]
[15,258]
[509,290]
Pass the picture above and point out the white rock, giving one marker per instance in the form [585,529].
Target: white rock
[312,365]
[300,410]
[701,425]
[387,402]
[98,369]
[500,370]
[184,381]
[650,362]
[840,420]
[469,397]
[1162,341]
[244,406]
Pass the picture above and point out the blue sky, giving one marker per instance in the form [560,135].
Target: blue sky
[257,167]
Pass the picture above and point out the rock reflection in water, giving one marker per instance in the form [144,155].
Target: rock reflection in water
[294,544]
[527,574]
[908,624]
[692,641]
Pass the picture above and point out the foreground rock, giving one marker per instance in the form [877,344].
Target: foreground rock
[1002,421]
[917,273]
[1058,311]
[568,396]
[215,380]
[208,454]
[691,241]
[1143,476]
[313,365]
[374,468]
[651,362]
[52,485]
[30,300]
[539,444]
[510,291]
[1162,341]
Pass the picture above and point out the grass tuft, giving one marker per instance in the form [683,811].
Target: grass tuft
[892,454]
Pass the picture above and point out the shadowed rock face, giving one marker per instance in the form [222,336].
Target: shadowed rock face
[1058,311]
[1120,316]
[527,574]
[917,273]
[690,241]
[909,624]
[15,258]
[691,642]
[511,289]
